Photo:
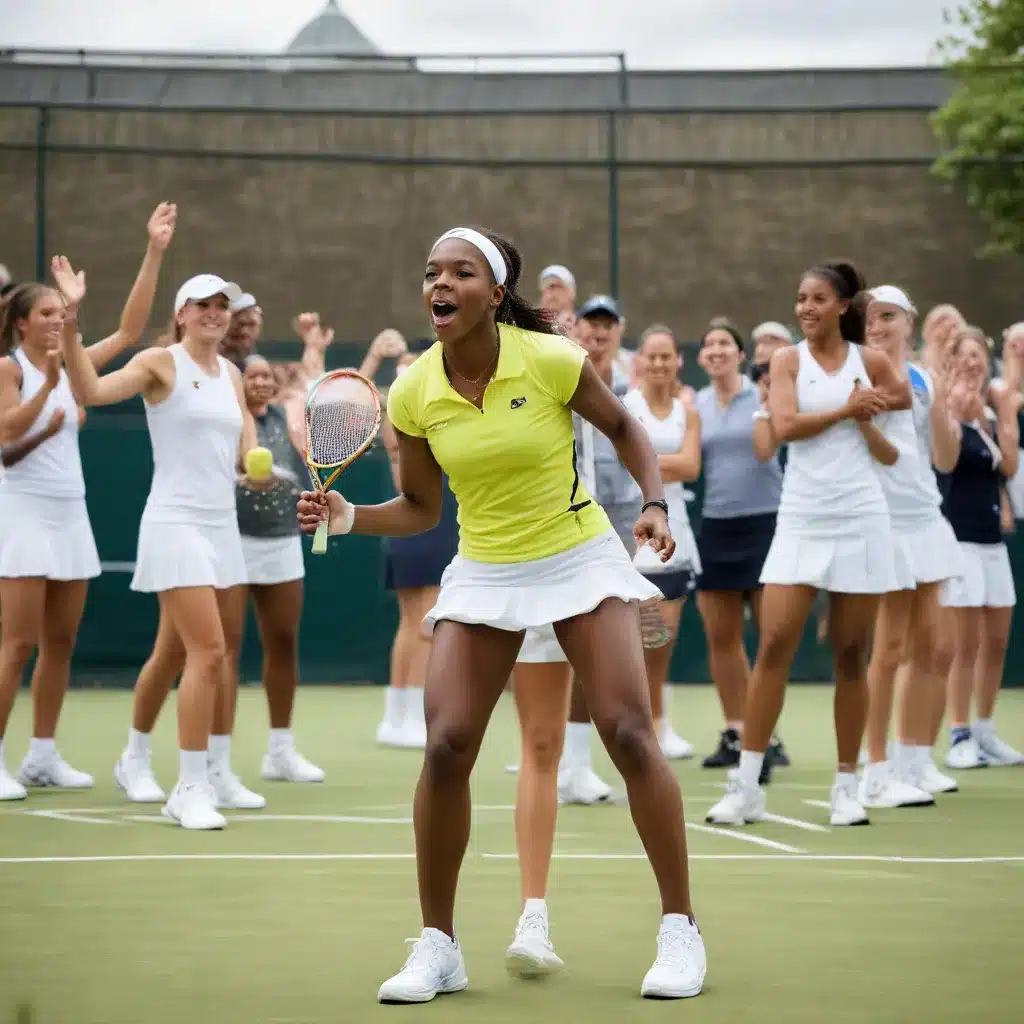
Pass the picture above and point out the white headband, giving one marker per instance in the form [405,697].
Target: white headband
[490,251]
[894,296]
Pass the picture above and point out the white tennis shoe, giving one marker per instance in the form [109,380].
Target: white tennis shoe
[681,964]
[134,776]
[435,967]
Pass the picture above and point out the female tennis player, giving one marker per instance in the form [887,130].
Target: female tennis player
[833,531]
[413,567]
[490,405]
[742,486]
[47,556]
[190,550]
[978,603]
[926,550]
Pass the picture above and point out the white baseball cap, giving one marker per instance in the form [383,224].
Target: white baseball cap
[893,296]
[772,329]
[247,301]
[558,273]
[205,286]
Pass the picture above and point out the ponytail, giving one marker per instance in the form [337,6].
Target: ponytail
[17,305]
[848,283]
[514,309]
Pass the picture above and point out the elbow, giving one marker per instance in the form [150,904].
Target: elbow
[784,430]
[690,474]
[763,454]
[889,458]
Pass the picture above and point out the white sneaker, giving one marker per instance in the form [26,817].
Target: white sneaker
[192,806]
[846,808]
[582,786]
[926,776]
[880,787]
[997,752]
[531,954]
[134,775]
[673,746]
[740,805]
[54,772]
[10,787]
[435,967]
[230,795]
[401,736]
[681,963]
[966,754]
[288,765]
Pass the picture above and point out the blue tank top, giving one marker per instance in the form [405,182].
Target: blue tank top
[971,492]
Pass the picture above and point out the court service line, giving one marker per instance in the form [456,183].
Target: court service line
[743,837]
[807,826]
[807,857]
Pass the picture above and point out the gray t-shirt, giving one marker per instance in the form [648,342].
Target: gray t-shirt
[271,513]
[735,483]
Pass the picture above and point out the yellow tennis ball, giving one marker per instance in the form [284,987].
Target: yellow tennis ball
[259,463]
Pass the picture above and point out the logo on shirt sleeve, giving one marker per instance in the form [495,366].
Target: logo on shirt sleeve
[517,403]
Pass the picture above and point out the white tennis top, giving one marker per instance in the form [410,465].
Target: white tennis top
[54,469]
[830,479]
[195,433]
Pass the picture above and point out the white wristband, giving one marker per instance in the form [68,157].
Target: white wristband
[343,525]
[762,414]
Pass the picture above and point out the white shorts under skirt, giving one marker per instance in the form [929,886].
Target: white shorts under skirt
[46,537]
[844,557]
[540,647]
[926,552]
[270,560]
[985,580]
[174,555]
[519,596]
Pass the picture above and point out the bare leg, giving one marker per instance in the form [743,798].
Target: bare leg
[967,648]
[232,606]
[278,610]
[65,602]
[22,602]
[658,659]
[892,624]
[923,685]
[851,621]
[722,614]
[161,669]
[988,675]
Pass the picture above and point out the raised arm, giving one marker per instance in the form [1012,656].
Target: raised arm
[946,432]
[389,344]
[139,304]
[316,339]
[1008,432]
[683,466]
[16,416]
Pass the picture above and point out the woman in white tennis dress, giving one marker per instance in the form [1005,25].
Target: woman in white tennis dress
[47,551]
[190,549]
[833,531]
[926,555]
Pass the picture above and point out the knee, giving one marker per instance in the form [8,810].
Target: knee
[451,751]
[776,649]
[281,644]
[888,654]
[208,659]
[17,650]
[542,747]
[630,741]
[849,658]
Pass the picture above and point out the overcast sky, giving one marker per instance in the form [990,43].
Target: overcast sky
[653,33]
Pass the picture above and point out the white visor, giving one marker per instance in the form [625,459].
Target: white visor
[556,272]
[490,251]
[772,329]
[205,286]
[893,296]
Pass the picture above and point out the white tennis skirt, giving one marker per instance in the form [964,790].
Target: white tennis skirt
[519,596]
[985,580]
[839,557]
[46,537]
[270,560]
[926,552]
[175,555]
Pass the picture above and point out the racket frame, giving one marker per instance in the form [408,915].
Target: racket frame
[321,486]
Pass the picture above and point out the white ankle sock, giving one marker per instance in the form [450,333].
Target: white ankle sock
[279,739]
[394,705]
[42,750]
[904,755]
[846,778]
[414,710]
[666,706]
[219,752]
[536,906]
[983,727]
[138,743]
[750,768]
[3,763]
[192,770]
[577,745]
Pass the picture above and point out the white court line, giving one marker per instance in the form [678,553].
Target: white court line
[807,826]
[743,837]
[808,857]
[819,803]
[344,818]
[83,819]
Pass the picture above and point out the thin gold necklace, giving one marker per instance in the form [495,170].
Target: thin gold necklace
[488,372]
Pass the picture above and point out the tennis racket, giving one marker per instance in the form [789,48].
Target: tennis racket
[342,419]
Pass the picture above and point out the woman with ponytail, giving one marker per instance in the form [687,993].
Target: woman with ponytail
[491,405]
[47,551]
[833,530]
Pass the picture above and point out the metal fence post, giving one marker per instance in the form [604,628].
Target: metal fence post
[42,130]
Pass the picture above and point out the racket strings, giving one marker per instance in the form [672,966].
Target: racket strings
[343,416]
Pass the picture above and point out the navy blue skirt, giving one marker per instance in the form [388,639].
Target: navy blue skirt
[733,551]
[413,562]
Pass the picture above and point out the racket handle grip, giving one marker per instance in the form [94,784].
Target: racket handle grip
[320,539]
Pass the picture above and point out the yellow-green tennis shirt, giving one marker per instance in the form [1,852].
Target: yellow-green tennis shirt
[511,465]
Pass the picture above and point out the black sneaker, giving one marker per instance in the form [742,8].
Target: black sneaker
[728,753]
[777,753]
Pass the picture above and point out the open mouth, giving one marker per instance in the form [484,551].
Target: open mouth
[443,313]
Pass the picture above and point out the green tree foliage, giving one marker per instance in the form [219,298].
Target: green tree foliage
[981,127]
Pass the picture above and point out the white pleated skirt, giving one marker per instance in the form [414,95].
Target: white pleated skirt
[175,555]
[926,552]
[841,557]
[985,579]
[272,560]
[519,596]
[46,537]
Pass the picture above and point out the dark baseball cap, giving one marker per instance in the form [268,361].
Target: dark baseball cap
[600,305]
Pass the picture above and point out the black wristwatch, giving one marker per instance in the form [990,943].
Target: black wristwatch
[656,503]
